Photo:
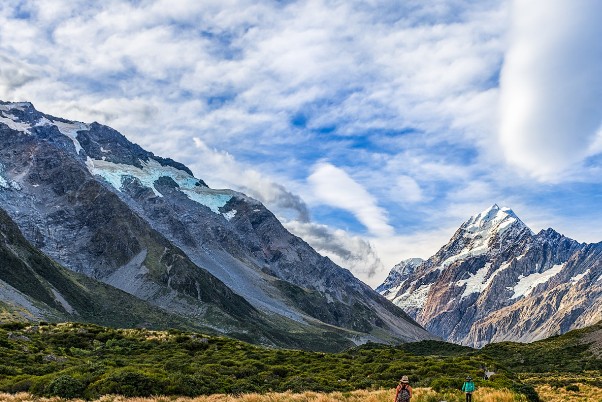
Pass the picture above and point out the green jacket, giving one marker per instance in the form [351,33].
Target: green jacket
[468,386]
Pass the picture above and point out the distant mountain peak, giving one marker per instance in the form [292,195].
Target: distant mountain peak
[493,221]
[398,275]
[496,280]
[490,219]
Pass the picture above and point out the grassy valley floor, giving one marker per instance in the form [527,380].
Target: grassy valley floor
[420,395]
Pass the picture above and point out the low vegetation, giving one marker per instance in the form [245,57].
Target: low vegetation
[86,361]
[573,352]
[420,395]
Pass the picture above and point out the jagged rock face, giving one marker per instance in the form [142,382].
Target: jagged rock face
[105,207]
[495,280]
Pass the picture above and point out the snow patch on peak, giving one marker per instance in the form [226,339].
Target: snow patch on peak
[229,215]
[8,184]
[209,199]
[71,130]
[415,299]
[480,229]
[578,277]
[15,105]
[68,129]
[14,125]
[476,282]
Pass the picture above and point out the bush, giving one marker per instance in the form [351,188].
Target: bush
[445,383]
[7,370]
[66,387]
[13,326]
[128,383]
[527,390]
[21,386]
[572,387]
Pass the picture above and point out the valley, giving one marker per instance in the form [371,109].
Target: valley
[124,274]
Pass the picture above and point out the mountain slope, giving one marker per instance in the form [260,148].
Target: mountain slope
[495,280]
[32,286]
[103,206]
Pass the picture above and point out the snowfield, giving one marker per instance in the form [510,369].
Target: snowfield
[527,283]
[151,171]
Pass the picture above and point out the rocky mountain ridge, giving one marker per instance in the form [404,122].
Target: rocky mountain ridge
[495,281]
[102,206]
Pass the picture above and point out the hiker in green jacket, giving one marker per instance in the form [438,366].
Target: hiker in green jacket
[468,387]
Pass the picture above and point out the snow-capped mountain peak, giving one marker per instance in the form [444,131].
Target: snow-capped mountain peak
[492,220]
[476,235]
[496,280]
[408,266]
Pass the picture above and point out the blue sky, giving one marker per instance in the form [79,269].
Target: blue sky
[372,129]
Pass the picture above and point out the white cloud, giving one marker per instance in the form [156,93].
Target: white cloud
[334,187]
[407,190]
[551,85]
[15,74]
[351,252]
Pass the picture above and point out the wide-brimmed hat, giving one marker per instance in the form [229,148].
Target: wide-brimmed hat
[404,379]
[468,378]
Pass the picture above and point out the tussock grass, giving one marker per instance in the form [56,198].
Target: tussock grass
[420,395]
[586,393]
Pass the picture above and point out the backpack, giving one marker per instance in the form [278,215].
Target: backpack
[403,395]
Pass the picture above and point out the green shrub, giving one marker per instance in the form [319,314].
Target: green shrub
[128,383]
[21,386]
[7,370]
[572,387]
[445,383]
[66,387]
[13,326]
[527,390]
[280,371]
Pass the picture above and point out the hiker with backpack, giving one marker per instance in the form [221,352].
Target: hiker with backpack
[468,387]
[404,391]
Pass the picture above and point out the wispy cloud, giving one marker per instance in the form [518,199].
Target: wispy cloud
[224,169]
[334,187]
[15,74]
